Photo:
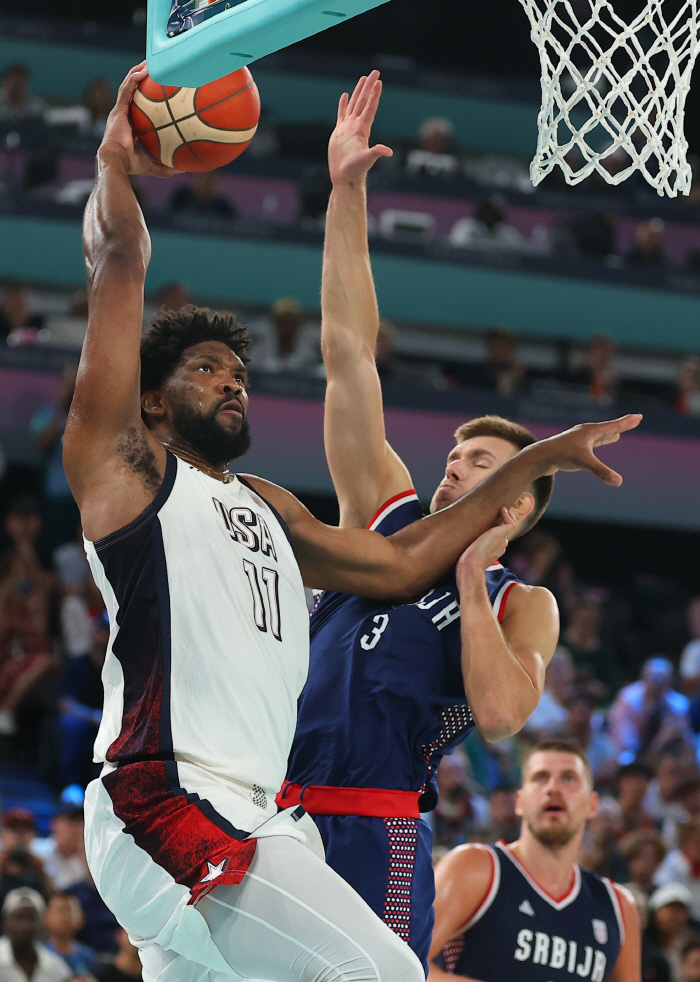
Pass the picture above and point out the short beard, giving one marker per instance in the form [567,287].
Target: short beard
[552,838]
[207,437]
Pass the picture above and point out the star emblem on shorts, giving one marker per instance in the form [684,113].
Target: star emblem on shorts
[214,871]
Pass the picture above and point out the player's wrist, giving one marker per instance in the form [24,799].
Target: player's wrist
[112,152]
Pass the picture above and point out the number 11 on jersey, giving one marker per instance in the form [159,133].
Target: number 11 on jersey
[265,613]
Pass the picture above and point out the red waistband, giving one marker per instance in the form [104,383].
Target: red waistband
[372,802]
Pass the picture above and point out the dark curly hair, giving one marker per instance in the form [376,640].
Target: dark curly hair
[173,331]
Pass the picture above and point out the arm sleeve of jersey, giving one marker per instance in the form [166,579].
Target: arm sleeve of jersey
[399,511]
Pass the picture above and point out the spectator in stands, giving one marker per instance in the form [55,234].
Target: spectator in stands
[591,235]
[551,715]
[688,382]
[80,706]
[592,657]
[173,296]
[19,869]
[690,663]
[600,370]
[668,928]
[284,341]
[459,812]
[17,103]
[600,750]
[487,229]
[64,919]
[22,957]
[671,771]
[655,967]
[682,864]
[126,966]
[98,99]
[434,154]
[63,852]
[15,314]
[18,829]
[690,961]
[648,715]
[605,829]
[632,788]
[201,197]
[505,824]
[100,930]
[643,851]
[648,248]
[505,373]
[59,510]
[26,650]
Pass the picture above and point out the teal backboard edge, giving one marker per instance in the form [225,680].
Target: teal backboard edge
[237,37]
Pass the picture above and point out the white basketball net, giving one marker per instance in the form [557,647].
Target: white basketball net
[613,94]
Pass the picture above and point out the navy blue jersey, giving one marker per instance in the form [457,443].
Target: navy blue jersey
[521,933]
[385,696]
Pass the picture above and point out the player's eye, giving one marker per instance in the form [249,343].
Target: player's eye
[205,368]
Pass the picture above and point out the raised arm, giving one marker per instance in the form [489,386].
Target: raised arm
[402,566]
[365,469]
[106,411]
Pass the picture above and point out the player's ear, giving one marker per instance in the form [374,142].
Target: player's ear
[152,404]
[518,805]
[594,805]
[524,505]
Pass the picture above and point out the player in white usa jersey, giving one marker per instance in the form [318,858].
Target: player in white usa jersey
[202,574]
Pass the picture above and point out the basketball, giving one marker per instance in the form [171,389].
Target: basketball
[196,129]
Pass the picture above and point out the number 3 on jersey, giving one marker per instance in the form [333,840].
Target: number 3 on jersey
[262,612]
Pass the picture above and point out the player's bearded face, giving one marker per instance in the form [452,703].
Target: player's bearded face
[555,800]
[207,436]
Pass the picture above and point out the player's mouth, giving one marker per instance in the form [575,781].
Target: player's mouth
[232,408]
[554,809]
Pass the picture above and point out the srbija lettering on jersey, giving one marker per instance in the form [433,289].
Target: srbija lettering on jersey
[209,631]
[521,934]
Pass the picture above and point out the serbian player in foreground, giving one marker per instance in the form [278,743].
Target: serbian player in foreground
[392,687]
[202,573]
[525,912]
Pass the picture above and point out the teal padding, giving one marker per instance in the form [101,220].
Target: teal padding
[238,36]
[258,272]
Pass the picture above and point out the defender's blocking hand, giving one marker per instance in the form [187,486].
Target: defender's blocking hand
[349,154]
[573,449]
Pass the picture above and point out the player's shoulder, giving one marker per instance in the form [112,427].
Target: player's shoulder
[523,597]
[471,862]
[397,511]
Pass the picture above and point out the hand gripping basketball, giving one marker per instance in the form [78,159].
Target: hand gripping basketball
[119,134]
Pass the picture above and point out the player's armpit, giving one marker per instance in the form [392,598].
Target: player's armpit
[628,965]
[462,881]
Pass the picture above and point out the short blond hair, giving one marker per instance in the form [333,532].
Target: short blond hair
[561,746]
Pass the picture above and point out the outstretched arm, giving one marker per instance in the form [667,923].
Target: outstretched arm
[402,566]
[503,662]
[365,469]
[106,408]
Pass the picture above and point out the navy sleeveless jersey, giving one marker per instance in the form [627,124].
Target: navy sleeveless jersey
[384,699]
[519,932]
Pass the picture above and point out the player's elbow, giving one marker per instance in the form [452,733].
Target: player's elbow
[497,723]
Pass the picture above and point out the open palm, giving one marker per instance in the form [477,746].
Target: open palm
[349,154]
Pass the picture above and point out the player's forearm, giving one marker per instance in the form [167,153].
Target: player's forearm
[502,687]
[350,319]
[113,224]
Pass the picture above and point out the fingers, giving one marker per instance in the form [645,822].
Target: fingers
[129,85]
[343,106]
[369,110]
[356,94]
[381,151]
[601,471]
[365,95]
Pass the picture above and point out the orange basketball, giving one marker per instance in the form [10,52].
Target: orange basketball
[196,129]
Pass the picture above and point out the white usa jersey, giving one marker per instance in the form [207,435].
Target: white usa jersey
[209,631]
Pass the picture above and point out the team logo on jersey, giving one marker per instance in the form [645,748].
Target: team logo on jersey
[215,871]
[526,908]
[600,931]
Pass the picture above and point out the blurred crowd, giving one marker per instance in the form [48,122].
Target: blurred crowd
[585,224]
[286,338]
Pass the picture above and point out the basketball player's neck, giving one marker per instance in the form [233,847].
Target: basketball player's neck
[552,868]
[172,444]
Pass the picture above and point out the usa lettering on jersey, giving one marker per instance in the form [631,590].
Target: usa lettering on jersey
[556,952]
[250,529]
